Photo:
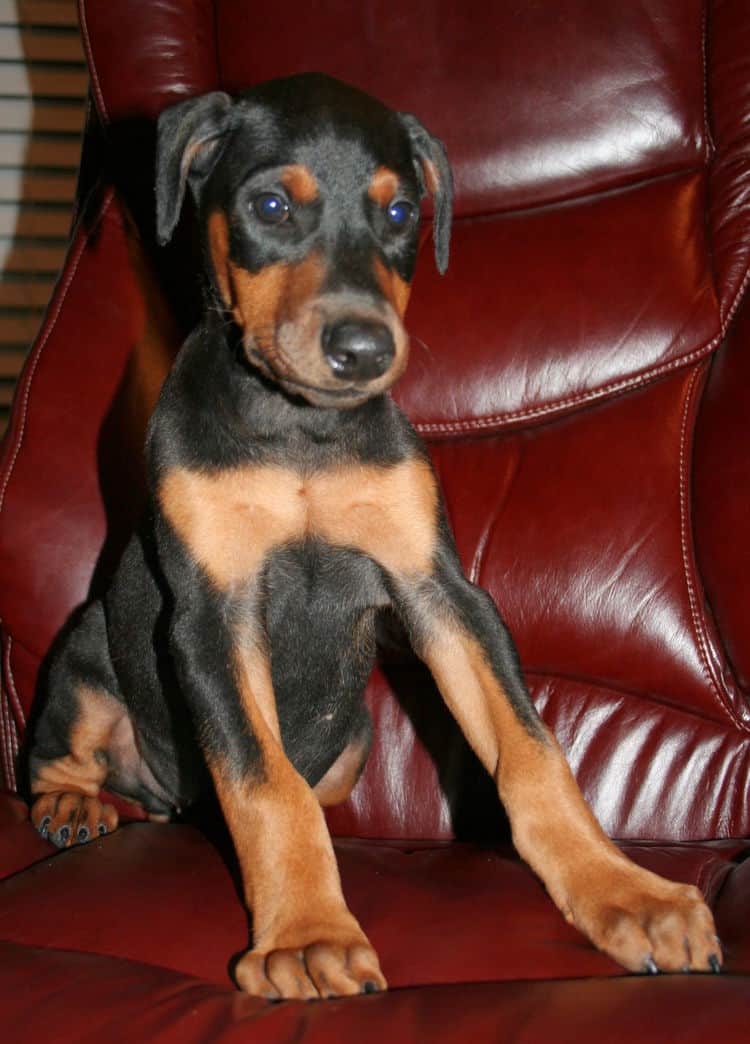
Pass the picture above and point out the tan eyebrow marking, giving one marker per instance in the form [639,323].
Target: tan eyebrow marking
[300,183]
[383,186]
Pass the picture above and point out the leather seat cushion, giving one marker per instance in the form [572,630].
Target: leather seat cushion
[436,913]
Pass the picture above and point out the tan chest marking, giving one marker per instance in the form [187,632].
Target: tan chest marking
[230,521]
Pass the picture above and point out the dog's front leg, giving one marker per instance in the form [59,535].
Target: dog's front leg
[306,943]
[214,533]
[643,921]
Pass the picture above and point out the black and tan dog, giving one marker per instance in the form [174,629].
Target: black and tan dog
[291,502]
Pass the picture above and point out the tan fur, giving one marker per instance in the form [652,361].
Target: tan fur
[276,294]
[277,310]
[84,769]
[431,176]
[289,872]
[73,810]
[261,302]
[300,183]
[257,298]
[388,513]
[338,782]
[231,520]
[288,868]
[625,910]
[394,288]
[527,768]
[383,187]
[218,245]
[470,691]
[281,311]
[255,686]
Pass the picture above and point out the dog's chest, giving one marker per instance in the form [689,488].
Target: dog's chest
[230,521]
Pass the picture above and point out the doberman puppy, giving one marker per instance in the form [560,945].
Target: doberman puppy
[290,503]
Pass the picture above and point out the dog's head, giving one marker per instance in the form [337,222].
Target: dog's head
[308,195]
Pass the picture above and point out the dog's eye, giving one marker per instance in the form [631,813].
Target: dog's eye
[399,213]
[271,208]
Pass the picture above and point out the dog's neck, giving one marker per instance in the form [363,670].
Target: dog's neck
[247,416]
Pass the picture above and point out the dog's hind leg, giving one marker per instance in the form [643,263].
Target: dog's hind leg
[340,779]
[83,732]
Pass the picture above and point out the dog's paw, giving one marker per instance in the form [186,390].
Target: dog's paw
[648,924]
[323,968]
[72,819]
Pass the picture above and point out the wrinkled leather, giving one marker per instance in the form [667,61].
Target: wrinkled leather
[126,1000]
[565,340]
[395,891]
[140,65]
[444,917]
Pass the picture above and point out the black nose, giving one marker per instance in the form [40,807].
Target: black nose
[358,350]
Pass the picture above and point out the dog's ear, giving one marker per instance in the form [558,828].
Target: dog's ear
[434,175]
[188,143]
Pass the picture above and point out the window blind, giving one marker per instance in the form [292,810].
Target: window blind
[43,86]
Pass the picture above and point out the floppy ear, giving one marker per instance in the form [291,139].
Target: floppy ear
[188,143]
[434,174]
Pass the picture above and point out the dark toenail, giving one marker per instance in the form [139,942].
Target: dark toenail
[42,828]
[64,834]
[713,962]
[83,835]
[102,829]
[650,967]
[369,987]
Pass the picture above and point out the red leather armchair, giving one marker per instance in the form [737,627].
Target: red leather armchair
[581,375]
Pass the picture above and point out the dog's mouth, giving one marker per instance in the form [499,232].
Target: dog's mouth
[333,398]
[334,362]
[327,398]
